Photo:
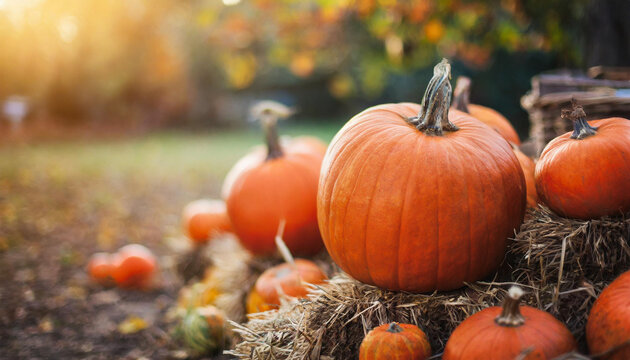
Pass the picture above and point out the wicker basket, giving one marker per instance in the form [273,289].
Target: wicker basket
[600,98]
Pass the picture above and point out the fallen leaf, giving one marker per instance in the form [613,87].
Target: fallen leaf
[132,325]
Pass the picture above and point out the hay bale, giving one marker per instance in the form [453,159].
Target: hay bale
[568,262]
[334,320]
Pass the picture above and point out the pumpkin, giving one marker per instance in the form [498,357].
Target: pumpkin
[509,332]
[276,183]
[395,341]
[419,203]
[586,174]
[255,303]
[197,295]
[203,330]
[204,218]
[134,266]
[290,278]
[487,115]
[529,167]
[608,325]
[100,268]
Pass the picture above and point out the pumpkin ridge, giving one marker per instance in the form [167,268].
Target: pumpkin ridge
[469,212]
[371,201]
[382,142]
[345,166]
[437,223]
[412,171]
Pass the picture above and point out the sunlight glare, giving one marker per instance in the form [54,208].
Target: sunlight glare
[67,28]
[231,2]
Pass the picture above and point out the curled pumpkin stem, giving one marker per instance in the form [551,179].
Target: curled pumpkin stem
[433,117]
[511,313]
[461,95]
[581,127]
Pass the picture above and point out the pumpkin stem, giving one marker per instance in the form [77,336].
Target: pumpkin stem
[461,95]
[511,314]
[581,127]
[433,117]
[269,121]
[282,246]
[394,328]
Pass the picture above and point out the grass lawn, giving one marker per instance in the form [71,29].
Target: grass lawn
[62,201]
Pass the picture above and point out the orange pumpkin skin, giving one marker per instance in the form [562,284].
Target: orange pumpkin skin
[403,210]
[495,120]
[134,266]
[255,303]
[100,268]
[260,192]
[587,178]
[204,218]
[291,279]
[482,337]
[608,325]
[529,168]
[395,341]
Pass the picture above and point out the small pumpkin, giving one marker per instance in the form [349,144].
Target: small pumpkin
[417,197]
[280,182]
[586,174]
[100,268]
[255,303]
[509,332]
[529,167]
[203,330]
[608,325]
[134,266]
[395,341]
[491,117]
[204,218]
[290,278]
[197,295]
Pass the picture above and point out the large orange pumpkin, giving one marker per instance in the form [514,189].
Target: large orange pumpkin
[528,167]
[204,218]
[608,326]
[290,278]
[278,183]
[395,341]
[586,174]
[510,331]
[419,204]
[487,115]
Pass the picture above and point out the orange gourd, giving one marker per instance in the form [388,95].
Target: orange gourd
[100,268]
[586,174]
[204,218]
[255,303]
[419,203]
[608,326]
[134,267]
[529,168]
[484,114]
[509,332]
[395,341]
[290,278]
[273,184]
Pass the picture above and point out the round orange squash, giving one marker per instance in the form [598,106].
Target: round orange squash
[487,115]
[608,326]
[529,168]
[134,266]
[100,268]
[291,279]
[204,218]
[278,183]
[395,341]
[586,174]
[419,203]
[510,331]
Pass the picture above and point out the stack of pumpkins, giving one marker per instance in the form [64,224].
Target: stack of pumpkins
[270,188]
[423,198]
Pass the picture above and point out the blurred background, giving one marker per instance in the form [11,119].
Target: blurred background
[139,65]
